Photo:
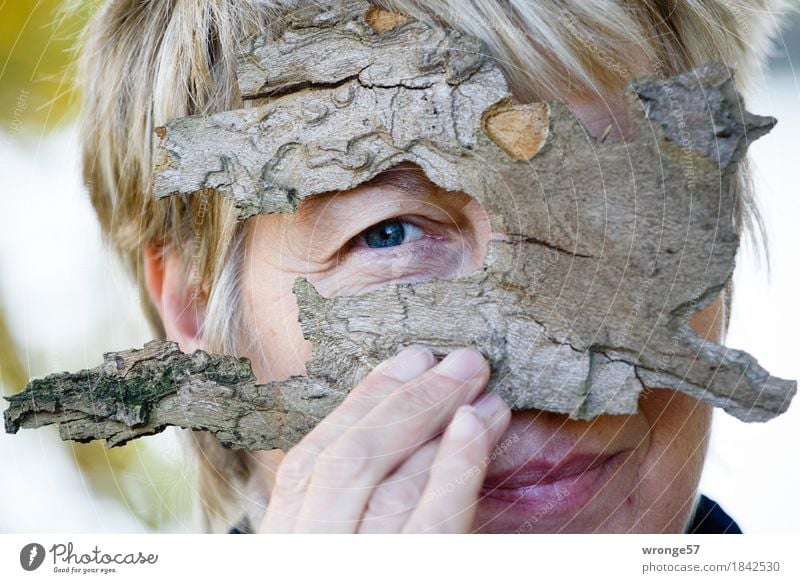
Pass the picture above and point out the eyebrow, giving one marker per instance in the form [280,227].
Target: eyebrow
[406,177]
[410,179]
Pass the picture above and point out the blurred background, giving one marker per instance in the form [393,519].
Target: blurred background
[64,301]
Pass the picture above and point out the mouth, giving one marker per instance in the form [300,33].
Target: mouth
[551,489]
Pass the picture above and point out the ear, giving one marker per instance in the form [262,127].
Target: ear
[181,309]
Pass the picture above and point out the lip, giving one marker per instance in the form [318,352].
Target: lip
[552,489]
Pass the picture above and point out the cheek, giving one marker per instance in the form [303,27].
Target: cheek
[673,462]
[280,349]
[276,348]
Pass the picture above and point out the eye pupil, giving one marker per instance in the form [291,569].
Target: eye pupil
[386,234]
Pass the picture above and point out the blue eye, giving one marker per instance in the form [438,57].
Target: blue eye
[391,233]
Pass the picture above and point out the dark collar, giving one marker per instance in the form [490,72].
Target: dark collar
[710,518]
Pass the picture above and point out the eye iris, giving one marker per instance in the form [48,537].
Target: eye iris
[385,234]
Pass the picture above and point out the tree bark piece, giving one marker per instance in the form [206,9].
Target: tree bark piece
[136,393]
[610,246]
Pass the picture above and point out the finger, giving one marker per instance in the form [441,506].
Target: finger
[346,472]
[394,499]
[450,498]
[385,378]
[294,473]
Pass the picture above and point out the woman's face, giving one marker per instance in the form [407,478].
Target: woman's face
[642,469]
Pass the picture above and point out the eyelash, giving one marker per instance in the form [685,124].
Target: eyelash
[358,242]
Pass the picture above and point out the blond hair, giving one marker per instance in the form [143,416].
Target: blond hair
[144,63]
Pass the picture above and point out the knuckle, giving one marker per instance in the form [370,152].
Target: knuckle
[294,473]
[387,500]
[343,462]
[431,392]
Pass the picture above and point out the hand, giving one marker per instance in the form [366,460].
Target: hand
[380,461]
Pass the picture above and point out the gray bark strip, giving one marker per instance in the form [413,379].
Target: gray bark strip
[136,393]
[611,245]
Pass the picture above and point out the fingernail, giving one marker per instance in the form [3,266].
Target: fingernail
[465,424]
[462,364]
[407,364]
[489,406]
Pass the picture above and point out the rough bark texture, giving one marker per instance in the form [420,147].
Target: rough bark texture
[135,393]
[611,245]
